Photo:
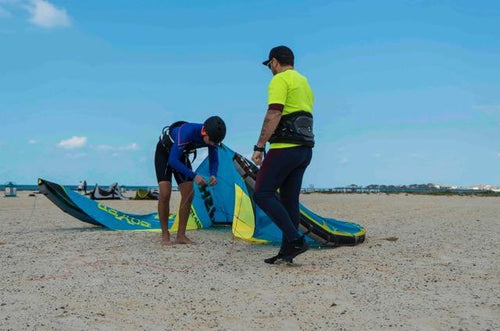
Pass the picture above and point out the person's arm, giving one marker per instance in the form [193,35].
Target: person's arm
[213,160]
[270,124]
[174,160]
[278,90]
[271,121]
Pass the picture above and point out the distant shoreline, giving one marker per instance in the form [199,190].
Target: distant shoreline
[444,193]
[337,190]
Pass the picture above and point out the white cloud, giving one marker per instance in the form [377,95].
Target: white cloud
[46,15]
[32,141]
[344,160]
[130,147]
[106,148]
[73,142]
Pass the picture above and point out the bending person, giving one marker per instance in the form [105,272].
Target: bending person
[288,127]
[177,141]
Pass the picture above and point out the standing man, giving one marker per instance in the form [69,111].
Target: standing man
[177,141]
[288,128]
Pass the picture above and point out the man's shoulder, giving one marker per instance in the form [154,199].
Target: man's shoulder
[279,78]
[288,76]
[187,126]
[294,73]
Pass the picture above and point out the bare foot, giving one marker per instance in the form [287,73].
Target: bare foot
[165,240]
[183,240]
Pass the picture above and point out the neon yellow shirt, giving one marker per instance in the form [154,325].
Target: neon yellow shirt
[291,89]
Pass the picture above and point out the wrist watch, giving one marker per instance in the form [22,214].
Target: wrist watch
[259,149]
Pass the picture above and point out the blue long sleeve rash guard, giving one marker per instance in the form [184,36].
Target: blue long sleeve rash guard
[190,134]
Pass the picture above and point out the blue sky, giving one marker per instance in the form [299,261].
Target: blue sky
[406,91]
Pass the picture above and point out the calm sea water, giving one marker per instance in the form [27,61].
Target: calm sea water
[75,187]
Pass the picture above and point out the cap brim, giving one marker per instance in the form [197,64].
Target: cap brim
[266,62]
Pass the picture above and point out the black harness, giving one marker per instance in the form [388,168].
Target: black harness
[167,141]
[296,128]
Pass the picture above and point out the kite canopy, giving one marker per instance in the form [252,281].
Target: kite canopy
[227,203]
[112,193]
[146,194]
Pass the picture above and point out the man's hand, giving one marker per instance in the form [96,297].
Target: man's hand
[257,158]
[213,181]
[200,180]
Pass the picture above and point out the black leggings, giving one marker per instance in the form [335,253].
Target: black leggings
[283,169]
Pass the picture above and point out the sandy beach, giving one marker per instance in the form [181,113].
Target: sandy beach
[429,263]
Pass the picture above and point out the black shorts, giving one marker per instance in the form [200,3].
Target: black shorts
[164,171]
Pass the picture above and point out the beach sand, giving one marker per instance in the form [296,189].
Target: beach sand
[428,263]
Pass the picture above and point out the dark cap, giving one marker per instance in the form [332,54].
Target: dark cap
[283,54]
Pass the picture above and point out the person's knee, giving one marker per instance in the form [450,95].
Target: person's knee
[261,196]
[164,197]
[187,196]
[289,200]
[187,199]
[165,192]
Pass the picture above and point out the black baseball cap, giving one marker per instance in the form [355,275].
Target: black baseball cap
[283,54]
